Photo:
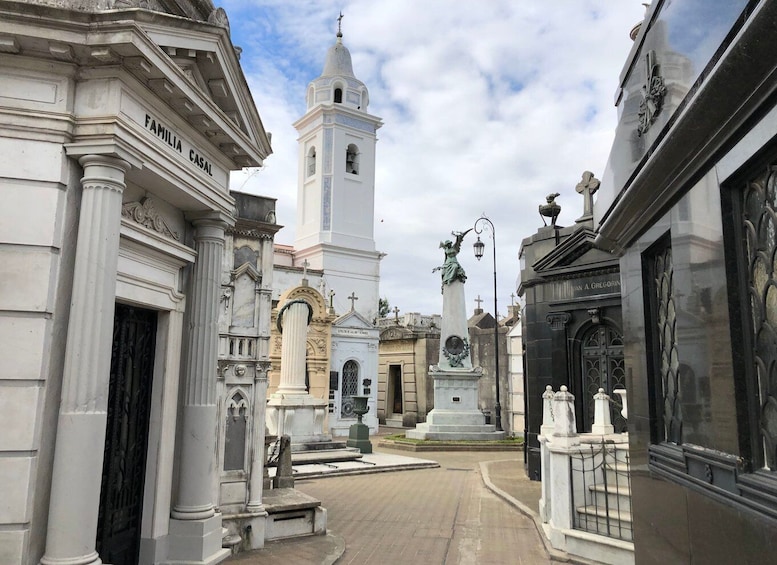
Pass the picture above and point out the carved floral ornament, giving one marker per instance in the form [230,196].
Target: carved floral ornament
[144,213]
[653,93]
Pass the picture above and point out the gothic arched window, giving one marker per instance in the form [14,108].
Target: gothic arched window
[350,388]
[235,432]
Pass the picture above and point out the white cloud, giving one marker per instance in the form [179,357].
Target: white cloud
[487,107]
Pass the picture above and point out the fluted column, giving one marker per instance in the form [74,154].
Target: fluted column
[293,320]
[198,440]
[258,452]
[78,456]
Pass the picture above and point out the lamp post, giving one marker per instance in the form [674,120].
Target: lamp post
[479,247]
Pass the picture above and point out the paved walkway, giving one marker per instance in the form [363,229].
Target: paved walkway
[474,508]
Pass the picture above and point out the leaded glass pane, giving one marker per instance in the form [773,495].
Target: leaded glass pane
[669,363]
[759,200]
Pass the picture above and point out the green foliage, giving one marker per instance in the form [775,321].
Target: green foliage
[383,307]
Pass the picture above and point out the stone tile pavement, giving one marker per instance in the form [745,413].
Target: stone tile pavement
[472,508]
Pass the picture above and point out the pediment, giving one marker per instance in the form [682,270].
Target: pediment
[249,270]
[577,250]
[395,333]
[353,320]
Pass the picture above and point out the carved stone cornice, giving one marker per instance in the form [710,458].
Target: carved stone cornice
[144,213]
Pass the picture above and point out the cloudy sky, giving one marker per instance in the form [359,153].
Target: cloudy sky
[487,107]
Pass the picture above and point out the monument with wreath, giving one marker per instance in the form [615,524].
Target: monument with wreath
[456,415]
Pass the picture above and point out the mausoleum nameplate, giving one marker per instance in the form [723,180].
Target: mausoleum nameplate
[172,138]
[587,287]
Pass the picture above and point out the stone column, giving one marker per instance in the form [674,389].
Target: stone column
[258,452]
[195,530]
[78,456]
[293,321]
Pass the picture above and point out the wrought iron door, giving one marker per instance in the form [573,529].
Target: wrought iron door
[126,440]
[603,367]
[349,389]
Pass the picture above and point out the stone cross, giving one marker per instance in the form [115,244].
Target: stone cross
[396,314]
[331,299]
[512,299]
[353,298]
[305,266]
[587,187]
[479,302]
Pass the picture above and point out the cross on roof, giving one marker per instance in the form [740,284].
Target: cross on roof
[340,25]
[305,266]
[479,302]
[512,299]
[331,298]
[353,298]
[587,186]
[396,313]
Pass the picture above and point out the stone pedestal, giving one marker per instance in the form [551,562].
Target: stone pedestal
[359,437]
[456,415]
[291,410]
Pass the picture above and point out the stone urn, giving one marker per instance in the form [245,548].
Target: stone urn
[360,407]
[359,433]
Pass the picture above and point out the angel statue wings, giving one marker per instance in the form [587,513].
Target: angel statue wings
[451,269]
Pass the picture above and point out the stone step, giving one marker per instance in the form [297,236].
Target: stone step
[325,456]
[291,513]
[617,497]
[594,519]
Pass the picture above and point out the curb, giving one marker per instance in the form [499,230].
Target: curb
[399,446]
[552,552]
[337,552]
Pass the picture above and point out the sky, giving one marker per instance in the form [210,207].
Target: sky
[487,107]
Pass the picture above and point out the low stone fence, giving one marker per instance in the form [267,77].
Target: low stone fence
[585,504]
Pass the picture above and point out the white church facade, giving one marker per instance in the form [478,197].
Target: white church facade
[334,248]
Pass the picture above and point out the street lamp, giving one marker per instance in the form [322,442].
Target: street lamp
[479,247]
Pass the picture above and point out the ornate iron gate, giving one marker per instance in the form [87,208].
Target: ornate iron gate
[126,440]
[349,389]
[602,357]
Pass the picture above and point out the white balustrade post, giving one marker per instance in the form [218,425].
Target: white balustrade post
[546,429]
[622,393]
[602,423]
[564,441]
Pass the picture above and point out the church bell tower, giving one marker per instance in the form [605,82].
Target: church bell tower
[336,184]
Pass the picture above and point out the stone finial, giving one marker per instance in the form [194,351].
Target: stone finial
[602,424]
[547,412]
[565,425]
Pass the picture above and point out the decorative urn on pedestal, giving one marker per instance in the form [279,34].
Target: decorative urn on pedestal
[359,433]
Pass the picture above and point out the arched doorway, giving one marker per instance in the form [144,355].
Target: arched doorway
[349,389]
[602,366]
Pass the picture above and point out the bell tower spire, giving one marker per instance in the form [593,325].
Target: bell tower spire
[336,181]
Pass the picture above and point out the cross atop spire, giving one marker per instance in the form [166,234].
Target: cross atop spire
[479,302]
[340,25]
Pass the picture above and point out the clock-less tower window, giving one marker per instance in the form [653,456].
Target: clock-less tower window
[352,159]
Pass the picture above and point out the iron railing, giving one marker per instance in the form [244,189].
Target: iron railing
[601,490]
